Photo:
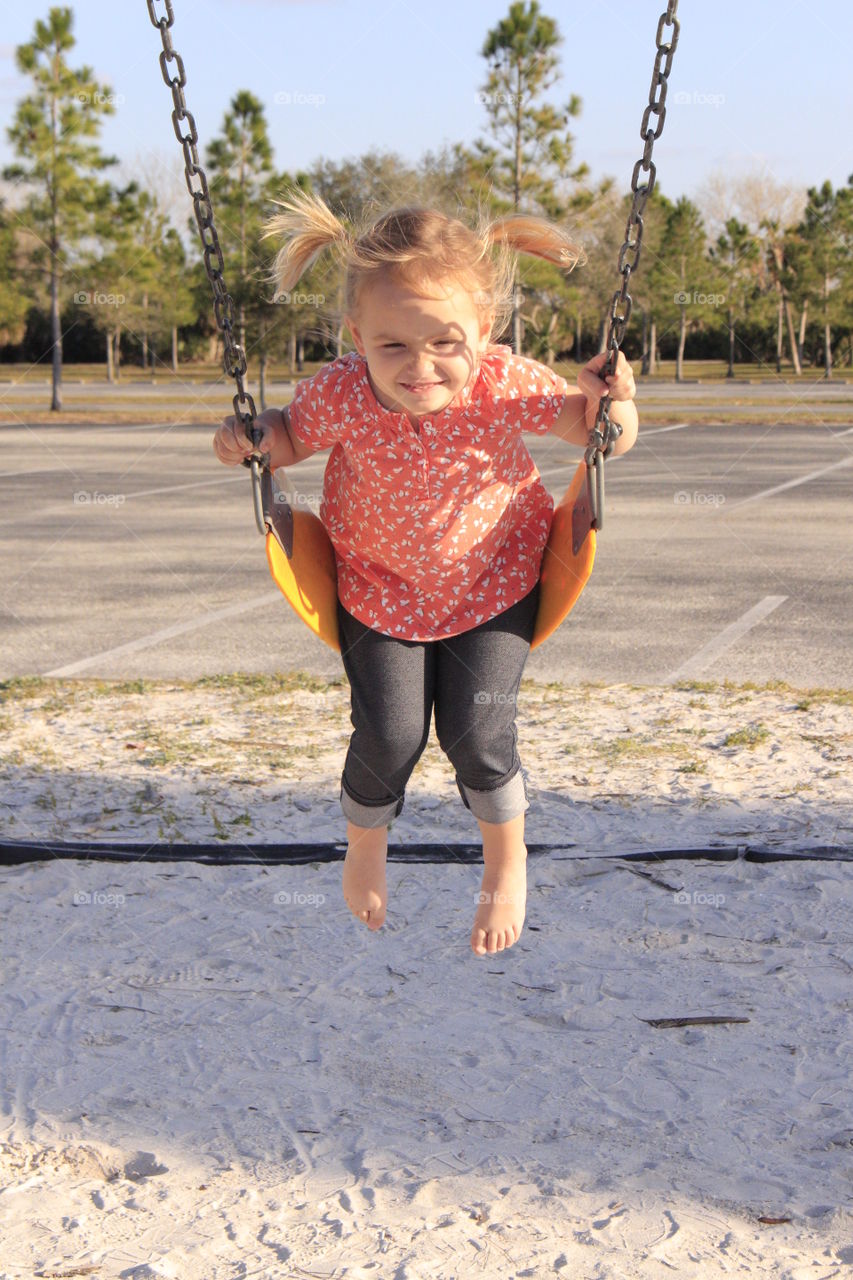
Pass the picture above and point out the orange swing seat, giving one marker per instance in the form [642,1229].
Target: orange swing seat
[308,580]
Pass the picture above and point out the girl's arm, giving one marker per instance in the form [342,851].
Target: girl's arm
[580,407]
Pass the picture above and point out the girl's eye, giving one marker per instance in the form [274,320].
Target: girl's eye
[446,342]
[391,346]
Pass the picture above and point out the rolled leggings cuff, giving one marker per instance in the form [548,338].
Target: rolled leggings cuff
[501,805]
[369,815]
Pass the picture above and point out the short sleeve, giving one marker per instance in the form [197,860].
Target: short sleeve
[322,405]
[530,396]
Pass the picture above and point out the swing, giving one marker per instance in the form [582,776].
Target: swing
[299,553]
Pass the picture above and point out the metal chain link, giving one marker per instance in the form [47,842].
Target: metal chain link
[605,433]
[214,264]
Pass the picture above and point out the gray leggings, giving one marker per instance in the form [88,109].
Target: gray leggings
[471,680]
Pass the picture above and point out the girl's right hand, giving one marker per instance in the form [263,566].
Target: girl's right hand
[231,445]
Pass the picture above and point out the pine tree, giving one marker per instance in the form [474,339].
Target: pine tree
[51,134]
[532,161]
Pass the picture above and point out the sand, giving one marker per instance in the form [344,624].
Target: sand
[210,1072]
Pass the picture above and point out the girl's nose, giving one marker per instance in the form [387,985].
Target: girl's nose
[421,362]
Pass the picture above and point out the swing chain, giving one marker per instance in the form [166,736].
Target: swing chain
[214,263]
[605,433]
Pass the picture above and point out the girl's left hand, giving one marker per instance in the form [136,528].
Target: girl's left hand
[619,386]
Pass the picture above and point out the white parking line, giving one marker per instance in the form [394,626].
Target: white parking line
[790,484]
[658,431]
[718,645]
[168,633]
[196,484]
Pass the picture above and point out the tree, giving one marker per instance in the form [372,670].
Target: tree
[50,135]
[736,255]
[532,163]
[684,284]
[824,259]
[240,173]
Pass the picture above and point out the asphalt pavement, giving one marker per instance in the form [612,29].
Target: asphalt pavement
[727,553]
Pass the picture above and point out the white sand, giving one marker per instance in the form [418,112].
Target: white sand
[214,1072]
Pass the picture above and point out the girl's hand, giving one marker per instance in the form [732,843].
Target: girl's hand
[231,445]
[619,386]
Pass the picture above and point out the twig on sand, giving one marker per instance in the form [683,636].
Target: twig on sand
[707,1021]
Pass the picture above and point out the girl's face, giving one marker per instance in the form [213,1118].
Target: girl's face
[420,351]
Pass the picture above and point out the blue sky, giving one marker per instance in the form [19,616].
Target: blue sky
[756,86]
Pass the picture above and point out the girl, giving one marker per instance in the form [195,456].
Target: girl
[437,515]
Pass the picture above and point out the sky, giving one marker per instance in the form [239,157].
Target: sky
[756,86]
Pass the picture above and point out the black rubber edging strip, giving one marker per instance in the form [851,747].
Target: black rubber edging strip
[14,852]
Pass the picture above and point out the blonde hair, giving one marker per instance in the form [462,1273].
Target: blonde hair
[417,247]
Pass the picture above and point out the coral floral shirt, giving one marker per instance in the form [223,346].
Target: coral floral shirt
[439,528]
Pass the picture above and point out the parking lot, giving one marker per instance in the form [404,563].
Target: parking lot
[130,551]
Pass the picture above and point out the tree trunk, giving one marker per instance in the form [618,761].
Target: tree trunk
[291,351]
[779,332]
[653,347]
[55,333]
[111,375]
[578,336]
[55,326]
[174,348]
[644,365]
[117,349]
[792,337]
[827,333]
[144,332]
[731,369]
[801,341]
[682,338]
[300,354]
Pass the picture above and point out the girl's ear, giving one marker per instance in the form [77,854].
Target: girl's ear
[487,320]
[356,335]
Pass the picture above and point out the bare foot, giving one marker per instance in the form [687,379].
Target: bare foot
[365,888]
[503,893]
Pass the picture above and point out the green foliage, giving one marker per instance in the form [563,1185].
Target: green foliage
[73,238]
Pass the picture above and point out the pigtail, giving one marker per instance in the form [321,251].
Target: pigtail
[308,226]
[522,233]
